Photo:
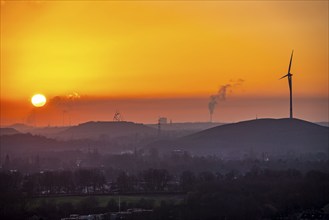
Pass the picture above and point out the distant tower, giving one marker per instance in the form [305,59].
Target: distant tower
[163,120]
[159,127]
[117,116]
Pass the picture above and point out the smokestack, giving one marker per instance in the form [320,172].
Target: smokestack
[220,96]
[159,127]
[211,105]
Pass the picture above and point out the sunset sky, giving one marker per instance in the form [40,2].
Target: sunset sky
[162,58]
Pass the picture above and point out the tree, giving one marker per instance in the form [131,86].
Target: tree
[206,176]
[156,179]
[123,182]
[187,180]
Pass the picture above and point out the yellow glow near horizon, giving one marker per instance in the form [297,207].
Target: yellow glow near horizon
[152,58]
[168,49]
[38,100]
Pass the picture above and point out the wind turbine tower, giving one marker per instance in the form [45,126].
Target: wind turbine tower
[289,75]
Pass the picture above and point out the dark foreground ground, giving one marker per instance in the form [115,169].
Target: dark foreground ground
[257,194]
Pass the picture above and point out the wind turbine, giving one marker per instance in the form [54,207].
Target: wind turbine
[289,75]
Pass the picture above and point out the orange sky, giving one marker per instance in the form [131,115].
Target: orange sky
[121,52]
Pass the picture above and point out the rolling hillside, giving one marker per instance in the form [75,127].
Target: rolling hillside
[106,130]
[8,131]
[275,136]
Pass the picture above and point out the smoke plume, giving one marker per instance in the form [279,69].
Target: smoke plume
[221,95]
[65,102]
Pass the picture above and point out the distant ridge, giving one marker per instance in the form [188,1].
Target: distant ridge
[26,144]
[260,135]
[257,127]
[8,131]
[323,123]
[105,130]
[21,127]
[195,126]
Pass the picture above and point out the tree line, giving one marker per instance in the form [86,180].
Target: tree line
[257,194]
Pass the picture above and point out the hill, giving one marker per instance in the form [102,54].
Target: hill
[175,130]
[271,136]
[106,130]
[23,128]
[186,126]
[26,144]
[323,123]
[44,131]
[111,137]
[8,131]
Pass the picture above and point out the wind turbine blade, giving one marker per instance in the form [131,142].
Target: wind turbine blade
[284,76]
[292,53]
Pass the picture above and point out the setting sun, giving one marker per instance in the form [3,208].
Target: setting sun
[38,100]
[133,106]
[162,58]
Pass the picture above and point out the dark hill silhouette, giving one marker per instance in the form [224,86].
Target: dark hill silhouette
[8,131]
[50,132]
[25,144]
[23,128]
[106,130]
[83,137]
[43,131]
[323,123]
[275,136]
[188,126]
[181,129]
